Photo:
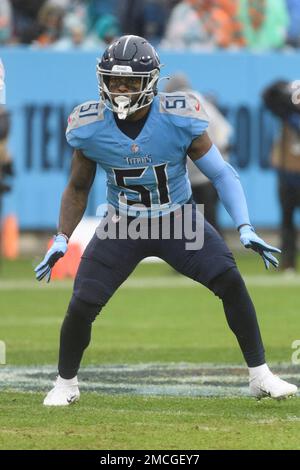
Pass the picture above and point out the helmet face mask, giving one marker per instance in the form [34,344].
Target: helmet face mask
[127,75]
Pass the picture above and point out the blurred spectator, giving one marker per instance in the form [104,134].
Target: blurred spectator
[25,20]
[74,35]
[221,21]
[184,29]
[98,8]
[204,23]
[293,35]
[5,21]
[265,23]
[220,132]
[286,159]
[107,29]
[50,21]
[156,15]
[64,4]
[132,17]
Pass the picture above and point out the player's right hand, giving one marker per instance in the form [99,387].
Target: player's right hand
[57,250]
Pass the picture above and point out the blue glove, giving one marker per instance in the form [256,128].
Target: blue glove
[57,250]
[249,239]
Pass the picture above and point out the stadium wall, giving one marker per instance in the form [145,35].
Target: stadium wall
[43,86]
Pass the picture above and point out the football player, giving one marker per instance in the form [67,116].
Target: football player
[142,138]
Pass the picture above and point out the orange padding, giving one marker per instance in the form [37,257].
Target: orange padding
[10,237]
[67,266]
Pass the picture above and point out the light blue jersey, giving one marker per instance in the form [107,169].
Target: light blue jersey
[150,171]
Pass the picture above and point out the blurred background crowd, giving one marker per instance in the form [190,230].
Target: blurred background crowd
[172,24]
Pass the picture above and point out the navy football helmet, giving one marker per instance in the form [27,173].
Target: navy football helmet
[131,57]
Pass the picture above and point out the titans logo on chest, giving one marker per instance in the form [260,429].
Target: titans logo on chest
[138,160]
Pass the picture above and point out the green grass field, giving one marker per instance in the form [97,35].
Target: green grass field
[157,317]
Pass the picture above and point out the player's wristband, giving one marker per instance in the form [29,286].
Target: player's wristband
[245,225]
[63,235]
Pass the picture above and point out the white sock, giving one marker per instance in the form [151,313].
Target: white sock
[259,371]
[61,381]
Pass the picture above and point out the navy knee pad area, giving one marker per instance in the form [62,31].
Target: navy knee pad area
[83,310]
[227,284]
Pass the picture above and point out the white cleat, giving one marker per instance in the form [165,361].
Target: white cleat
[64,393]
[271,385]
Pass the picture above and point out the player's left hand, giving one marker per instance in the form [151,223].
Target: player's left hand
[249,239]
[57,250]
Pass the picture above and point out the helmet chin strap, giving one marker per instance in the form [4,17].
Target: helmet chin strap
[123,103]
